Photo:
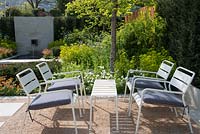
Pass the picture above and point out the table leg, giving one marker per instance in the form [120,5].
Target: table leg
[81,88]
[116,109]
[90,127]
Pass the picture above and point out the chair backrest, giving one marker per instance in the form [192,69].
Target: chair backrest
[45,71]
[182,78]
[28,80]
[165,69]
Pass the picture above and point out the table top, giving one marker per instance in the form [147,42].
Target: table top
[104,88]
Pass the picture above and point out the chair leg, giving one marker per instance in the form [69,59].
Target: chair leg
[80,112]
[189,122]
[175,112]
[130,105]
[91,105]
[116,110]
[30,115]
[23,124]
[74,118]
[125,91]
[81,88]
[138,119]
[84,90]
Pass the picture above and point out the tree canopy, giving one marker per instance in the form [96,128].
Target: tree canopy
[98,12]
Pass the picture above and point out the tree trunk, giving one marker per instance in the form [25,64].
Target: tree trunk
[31,3]
[34,3]
[113,36]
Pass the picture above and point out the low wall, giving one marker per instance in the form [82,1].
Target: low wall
[33,34]
[192,99]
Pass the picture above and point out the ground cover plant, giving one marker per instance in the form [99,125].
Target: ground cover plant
[7,48]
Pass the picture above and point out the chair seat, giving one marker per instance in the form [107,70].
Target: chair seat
[154,97]
[68,84]
[50,99]
[142,84]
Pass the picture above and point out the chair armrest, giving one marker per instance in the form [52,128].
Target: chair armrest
[62,73]
[150,79]
[58,80]
[146,79]
[141,71]
[132,71]
[157,90]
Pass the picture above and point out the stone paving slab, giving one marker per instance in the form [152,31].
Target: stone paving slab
[9,109]
[1,123]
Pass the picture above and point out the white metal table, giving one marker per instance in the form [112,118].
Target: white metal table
[104,88]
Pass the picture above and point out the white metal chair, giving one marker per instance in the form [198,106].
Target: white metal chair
[72,83]
[162,74]
[41,100]
[180,80]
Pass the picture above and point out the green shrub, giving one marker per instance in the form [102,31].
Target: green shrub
[140,35]
[152,59]
[7,30]
[77,54]
[122,64]
[55,47]
[7,48]
[8,44]
[84,36]
[13,11]
[182,37]
[55,12]
[9,87]
[64,25]
[56,43]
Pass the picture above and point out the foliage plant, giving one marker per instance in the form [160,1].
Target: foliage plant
[91,75]
[77,54]
[7,48]
[13,11]
[84,36]
[152,59]
[55,12]
[140,35]
[182,36]
[64,25]
[8,44]
[61,5]
[9,87]
[123,64]
[7,28]
[55,47]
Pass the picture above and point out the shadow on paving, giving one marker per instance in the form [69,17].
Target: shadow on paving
[66,114]
[161,120]
[62,121]
[63,131]
[126,123]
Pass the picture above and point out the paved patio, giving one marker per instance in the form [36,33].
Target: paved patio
[154,120]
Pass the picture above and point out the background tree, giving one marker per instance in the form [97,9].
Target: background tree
[61,5]
[98,13]
[34,3]
[182,37]
[113,36]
